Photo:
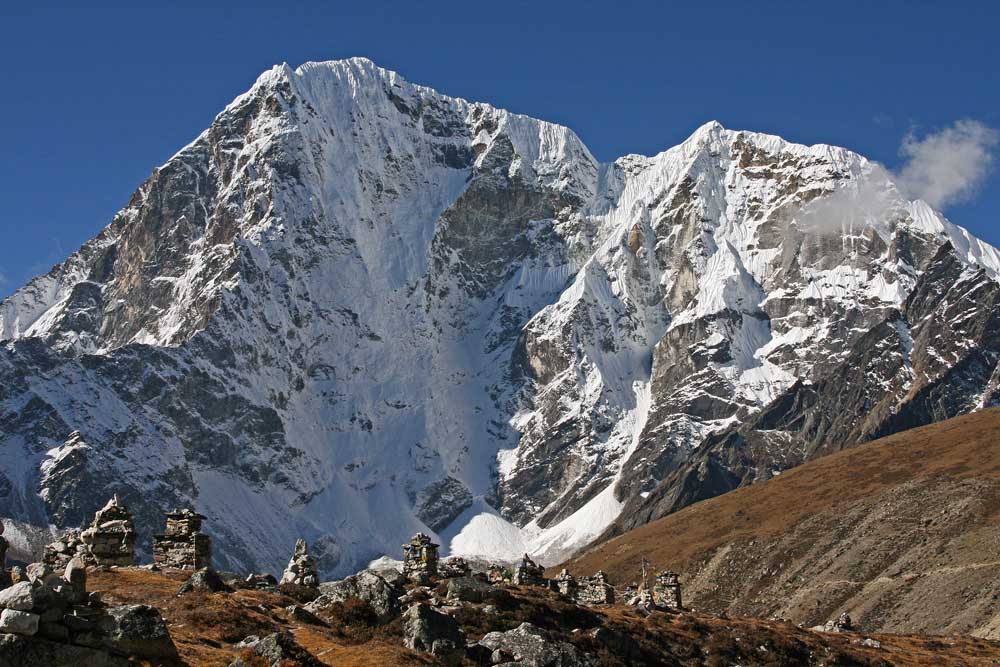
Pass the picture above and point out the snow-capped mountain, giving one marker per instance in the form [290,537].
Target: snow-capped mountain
[355,308]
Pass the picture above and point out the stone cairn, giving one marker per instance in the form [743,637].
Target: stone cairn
[110,539]
[81,628]
[667,590]
[566,584]
[420,559]
[183,545]
[58,554]
[497,575]
[454,567]
[301,570]
[595,589]
[528,573]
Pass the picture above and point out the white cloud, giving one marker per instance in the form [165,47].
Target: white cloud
[947,167]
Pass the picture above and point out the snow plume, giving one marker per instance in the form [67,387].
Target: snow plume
[947,166]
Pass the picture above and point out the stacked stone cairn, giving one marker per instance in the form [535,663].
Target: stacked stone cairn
[454,567]
[58,554]
[528,573]
[49,617]
[566,584]
[183,546]
[301,570]
[667,590]
[595,590]
[420,559]
[110,539]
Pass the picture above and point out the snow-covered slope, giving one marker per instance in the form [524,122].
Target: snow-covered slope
[355,308]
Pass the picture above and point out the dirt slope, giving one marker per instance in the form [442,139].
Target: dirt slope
[903,533]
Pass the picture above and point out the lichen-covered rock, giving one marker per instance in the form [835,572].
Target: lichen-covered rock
[277,650]
[138,630]
[424,625]
[381,595]
[530,646]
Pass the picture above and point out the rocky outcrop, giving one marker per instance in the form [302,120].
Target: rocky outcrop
[381,594]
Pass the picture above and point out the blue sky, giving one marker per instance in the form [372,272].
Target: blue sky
[96,95]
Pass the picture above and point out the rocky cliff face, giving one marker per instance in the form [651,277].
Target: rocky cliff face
[355,308]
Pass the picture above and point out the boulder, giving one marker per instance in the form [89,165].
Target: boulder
[299,613]
[22,650]
[366,585]
[206,579]
[530,646]
[423,626]
[18,622]
[138,630]
[470,589]
[277,650]
[20,596]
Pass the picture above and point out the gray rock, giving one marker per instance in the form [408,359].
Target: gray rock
[303,615]
[138,630]
[381,595]
[206,579]
[530,646]
[278,650]
[20,596]
[32,651]
[18,622]
[423,626]
[470,589]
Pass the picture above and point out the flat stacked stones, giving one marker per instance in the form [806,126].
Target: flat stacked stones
[183,545]
[110,539]
[420,558]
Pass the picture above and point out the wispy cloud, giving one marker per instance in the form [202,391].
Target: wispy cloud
[942,168]
[949,166]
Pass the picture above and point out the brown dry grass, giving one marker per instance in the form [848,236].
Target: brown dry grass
[204,627]
[957,448]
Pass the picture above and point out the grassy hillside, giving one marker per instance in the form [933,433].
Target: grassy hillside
[902,532]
